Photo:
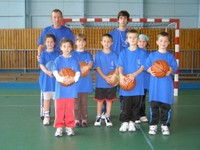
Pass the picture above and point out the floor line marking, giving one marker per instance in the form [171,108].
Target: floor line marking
[146,138]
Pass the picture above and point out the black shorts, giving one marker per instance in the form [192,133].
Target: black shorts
[102,94]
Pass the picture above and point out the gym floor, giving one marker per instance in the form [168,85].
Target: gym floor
[22,128]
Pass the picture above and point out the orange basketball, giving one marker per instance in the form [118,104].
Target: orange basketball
[84,73]
[66,72]
[128,84]
[160,68]
[115,81]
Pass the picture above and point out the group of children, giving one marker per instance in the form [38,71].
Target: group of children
[131,59]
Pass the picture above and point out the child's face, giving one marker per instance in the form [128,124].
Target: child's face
[80,43]
[132,38]
[123,21]
[142,43]
[66,48]
[106,42]
[162,42]
[49,43]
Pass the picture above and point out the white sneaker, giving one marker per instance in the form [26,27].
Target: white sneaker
[137,121]
[108,122]
[103,115]
[124,127]
[131,126]
[46,121]
[97,122]
[69,131]
[153,129]
[143,119]
[165,130]
[58,132]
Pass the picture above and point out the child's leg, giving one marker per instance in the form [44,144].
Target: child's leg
[165,113]
[69,113]
[77,108]
[99,107]
[143,105]
[108,109]
[154,112]
[59,113]
[84,106]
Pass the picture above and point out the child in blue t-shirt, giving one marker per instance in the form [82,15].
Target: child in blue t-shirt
[46,78]
[143,43]
[131,61]
[65,95]
[85,83]
[161,89]
[105,62]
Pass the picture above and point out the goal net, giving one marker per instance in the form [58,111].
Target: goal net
[94,28]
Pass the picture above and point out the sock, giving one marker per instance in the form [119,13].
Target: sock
[46,113]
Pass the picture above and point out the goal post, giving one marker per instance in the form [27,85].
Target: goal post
[95,27]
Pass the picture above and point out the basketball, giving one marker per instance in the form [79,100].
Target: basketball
[115,81]
[66,72]
[129,85]
[160,68]
[84,72]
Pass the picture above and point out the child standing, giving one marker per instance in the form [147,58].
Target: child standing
[81,103]
[105,62]
[143,43]
[131,61]
[161,89]
[65,95]
[46,78]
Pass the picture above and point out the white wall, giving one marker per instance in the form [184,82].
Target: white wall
[36,13]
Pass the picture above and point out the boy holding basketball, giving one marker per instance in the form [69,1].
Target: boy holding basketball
[81,103]
[105,62]
[131,63]
[161,89]
[46,78]
[65,95]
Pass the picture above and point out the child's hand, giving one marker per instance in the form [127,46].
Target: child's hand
[122,79]
[169,72]
[49,73]
[131,77]
[68,80]
[151,72]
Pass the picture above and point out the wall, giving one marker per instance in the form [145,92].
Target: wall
[36,13]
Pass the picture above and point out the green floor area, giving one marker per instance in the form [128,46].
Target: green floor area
[22,129]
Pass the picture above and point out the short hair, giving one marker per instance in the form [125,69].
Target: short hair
[81,36]
[132,31]
[107,35]
[163,34]
[123,13]
[57,11]
[50,36]
[62,41]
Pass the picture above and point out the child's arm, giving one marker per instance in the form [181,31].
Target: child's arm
[48,72]
[151,72]
[134,74]
[102,74]
[170,72]
[121,76]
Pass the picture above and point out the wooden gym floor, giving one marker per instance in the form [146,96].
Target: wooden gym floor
[22,129]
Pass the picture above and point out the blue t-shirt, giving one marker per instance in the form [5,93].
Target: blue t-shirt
[146,75]
[47,84]
[107,63]
[131,61]
[84,83]
[60,33]
[119,40]
[66,91]
[161,89]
